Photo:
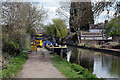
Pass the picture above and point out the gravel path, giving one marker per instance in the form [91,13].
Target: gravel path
[38,66]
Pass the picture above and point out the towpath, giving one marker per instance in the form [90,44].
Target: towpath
[38,66]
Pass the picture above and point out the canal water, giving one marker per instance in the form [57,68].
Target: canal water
[0,60]
[101,64]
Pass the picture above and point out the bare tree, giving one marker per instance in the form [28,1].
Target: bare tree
[32,16]
[99,7]
[63,9]
[22,15]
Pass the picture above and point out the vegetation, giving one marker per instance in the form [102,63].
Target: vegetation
[86,45]
[81,44]
[12,48]
[81,16]
[72,70]
[14,66]
[58,28]
[25,16]
[113,27]
[19,21]
[99,7]
[97,46]
[42,53]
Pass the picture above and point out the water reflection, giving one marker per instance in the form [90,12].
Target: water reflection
[0,61]
[103,65]
[68,56]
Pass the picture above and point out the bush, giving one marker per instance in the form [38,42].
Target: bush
[97,46]
[113,43]
[11,48]
[86,45]
[81,44]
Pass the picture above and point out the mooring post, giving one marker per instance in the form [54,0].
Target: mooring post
[61,54]
[52,48]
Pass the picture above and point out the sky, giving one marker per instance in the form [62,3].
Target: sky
[51,10]
[52,5]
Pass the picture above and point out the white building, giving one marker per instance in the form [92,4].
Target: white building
[95,33]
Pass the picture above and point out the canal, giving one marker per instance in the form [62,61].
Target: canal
[101,64]
[0,61]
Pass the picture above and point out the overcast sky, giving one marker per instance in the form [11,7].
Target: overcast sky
[51,8]
[52,5]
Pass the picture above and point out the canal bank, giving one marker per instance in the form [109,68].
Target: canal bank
[105,50]
[72,70]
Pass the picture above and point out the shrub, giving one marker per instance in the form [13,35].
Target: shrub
[81,44]
[11,48]
[97,46]
[86,45]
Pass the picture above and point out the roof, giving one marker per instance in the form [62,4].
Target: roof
[91,34]
[97,26]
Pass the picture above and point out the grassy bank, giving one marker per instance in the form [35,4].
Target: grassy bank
[15,65]
[72,70]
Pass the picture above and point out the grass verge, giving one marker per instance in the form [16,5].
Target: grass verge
[72,70]
[14,66]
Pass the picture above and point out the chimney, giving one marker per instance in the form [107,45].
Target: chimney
[106,21]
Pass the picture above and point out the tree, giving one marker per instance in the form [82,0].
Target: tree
[64,9]
[22,15]
[99,7]
[19,21]
[113,27]
[58,28]
[81,16]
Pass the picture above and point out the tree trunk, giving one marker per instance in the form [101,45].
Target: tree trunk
[78,37]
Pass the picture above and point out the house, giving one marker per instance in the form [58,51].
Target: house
[95,34]
[91,36]
[96,28]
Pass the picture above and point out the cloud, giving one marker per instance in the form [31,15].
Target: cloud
[51,8]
